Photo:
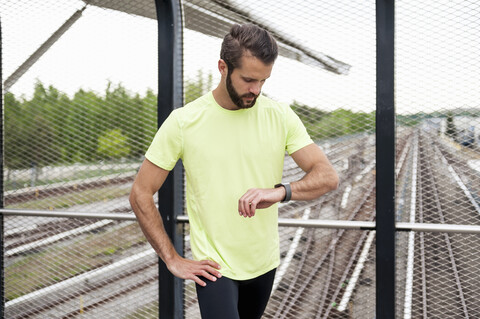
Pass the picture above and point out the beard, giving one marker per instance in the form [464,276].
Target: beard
[238,99]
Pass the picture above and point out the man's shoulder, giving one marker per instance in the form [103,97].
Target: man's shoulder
[195,106]
[200,101]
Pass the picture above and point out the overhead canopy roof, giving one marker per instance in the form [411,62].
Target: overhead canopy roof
[215,18]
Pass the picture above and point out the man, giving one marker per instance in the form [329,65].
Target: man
[232,142]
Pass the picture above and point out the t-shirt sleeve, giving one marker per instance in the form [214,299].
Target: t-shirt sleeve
[297,135]
[167,145]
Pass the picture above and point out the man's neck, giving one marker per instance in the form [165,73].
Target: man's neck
[223,99]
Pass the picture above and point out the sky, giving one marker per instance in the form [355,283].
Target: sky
[437,51]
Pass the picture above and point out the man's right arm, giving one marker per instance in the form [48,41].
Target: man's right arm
[148,181]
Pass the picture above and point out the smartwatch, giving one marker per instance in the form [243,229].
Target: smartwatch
[288,191]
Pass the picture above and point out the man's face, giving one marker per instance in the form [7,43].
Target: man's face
[244,84]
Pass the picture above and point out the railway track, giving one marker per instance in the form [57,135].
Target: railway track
[321,269]
[297,282]
[326,260]
[354,169]
[93,292]
[444,274]
[324,277]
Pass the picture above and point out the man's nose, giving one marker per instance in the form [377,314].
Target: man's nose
[256,88]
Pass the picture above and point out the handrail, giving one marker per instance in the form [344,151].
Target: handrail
[67,214]
[282,222]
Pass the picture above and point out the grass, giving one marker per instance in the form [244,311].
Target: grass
[76,198]
[79,175]
[67,259]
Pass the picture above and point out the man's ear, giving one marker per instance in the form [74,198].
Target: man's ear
[222,67]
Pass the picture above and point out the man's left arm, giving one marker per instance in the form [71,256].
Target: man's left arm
[320,176]
[319,179]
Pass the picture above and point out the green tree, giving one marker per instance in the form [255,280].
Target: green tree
[50,128]
[84,122]
[142,123]
[113,145]
[14,134]
[196,88]
[321,124]
[30,131]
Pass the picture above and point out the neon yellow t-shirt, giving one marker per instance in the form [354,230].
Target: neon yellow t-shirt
[224,154]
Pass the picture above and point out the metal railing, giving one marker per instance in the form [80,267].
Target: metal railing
[299,230]
[282,222]
[416,165]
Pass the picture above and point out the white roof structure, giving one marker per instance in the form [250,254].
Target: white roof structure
[214,18]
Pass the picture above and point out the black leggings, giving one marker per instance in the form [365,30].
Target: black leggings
[235,299]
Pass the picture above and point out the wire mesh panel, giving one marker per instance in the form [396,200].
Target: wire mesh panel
[66,267]
[438,275]
[78,117]
[326,73]
[322,274]
[437,102]
[80,80]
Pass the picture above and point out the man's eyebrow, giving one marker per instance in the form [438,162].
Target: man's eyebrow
[252,79]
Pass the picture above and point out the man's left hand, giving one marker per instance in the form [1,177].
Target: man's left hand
[258,198]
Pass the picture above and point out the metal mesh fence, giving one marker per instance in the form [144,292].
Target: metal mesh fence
[77,117]
[437,275]
[323,274]
[437,102]
[326,72]
[74,138]
[68,267]
[80,109]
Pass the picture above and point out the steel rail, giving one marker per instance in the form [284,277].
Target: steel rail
[328,282]
[407,306]
[57,237]
[282,269]
[343,278]
[64,287]
[422,253]
[332,246]
[458,179]
[310,239]
[352,282]
[461,293]
[430,189]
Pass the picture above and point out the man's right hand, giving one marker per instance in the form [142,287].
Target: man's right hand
[191,269]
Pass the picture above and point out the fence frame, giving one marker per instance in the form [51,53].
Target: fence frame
[170,195]
[170,96]
[385,160]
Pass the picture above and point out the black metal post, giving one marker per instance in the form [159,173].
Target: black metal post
[385,157]
[170,196]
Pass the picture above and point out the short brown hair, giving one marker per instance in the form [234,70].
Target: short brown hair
[248,37]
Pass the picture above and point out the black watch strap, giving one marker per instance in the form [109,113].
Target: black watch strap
[288,191]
